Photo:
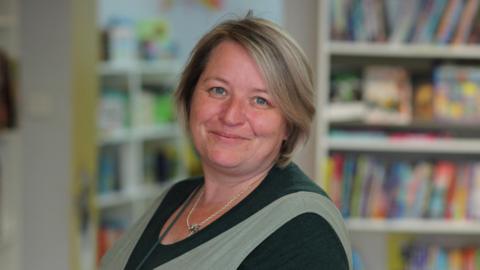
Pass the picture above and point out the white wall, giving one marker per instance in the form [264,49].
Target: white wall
[45,84]
[300,20]
[188,19]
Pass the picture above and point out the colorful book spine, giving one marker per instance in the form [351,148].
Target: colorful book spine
[369,187]
[406,21]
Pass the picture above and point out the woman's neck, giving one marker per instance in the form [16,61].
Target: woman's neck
[220,187]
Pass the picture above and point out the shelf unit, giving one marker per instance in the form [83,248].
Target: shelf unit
[136,187]
[370,236]
[415,226]
[130,139]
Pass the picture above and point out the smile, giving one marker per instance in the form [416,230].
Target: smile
[228,136]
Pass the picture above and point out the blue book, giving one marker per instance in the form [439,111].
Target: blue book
[348,178]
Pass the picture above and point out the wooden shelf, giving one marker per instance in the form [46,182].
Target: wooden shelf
[417,226]
[339,48]
[457,146]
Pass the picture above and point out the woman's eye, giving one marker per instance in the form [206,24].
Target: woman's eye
[217,91]
[260,101]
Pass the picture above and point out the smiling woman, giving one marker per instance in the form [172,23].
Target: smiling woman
[234,121]
[246,95]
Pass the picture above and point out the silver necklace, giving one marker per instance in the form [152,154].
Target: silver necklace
[195,227]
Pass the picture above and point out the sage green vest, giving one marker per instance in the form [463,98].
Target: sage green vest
[228,249]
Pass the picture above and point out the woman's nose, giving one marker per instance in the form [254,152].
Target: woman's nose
[233,112]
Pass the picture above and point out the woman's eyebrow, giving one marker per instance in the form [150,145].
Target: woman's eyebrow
[215,78]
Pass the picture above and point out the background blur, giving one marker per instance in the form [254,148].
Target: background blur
[88,129]
[89,134]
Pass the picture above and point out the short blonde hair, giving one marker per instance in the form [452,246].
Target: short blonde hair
[282,63]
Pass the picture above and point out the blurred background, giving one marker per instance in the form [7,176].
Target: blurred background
[89,134]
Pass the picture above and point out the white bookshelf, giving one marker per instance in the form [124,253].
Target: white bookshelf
[165,67]
[139,134]
[414,226]
[135,192]
[125,197]
[425,51]
[370,236]
[456,146]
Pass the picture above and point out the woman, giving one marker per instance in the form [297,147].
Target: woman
[247,97]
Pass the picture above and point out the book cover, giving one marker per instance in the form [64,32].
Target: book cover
[474,33]
[419,189]
[378,200]
[457,94]
[387,95]
[449,21]
[407,11]
[443,174]
[465,22]
[348,183]
[438,8]
[336,178]
[474,195]
[422,20]
[459,204]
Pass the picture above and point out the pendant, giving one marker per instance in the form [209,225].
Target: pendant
[194,228]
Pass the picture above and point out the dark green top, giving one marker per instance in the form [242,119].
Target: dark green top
[305,242]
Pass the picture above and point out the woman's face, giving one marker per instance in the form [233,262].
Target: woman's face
[235,124]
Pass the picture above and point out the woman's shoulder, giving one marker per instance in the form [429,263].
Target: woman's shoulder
[308,241]
[291,179]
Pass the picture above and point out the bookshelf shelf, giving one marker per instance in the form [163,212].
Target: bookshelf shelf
[163,131]
[427,51]
[415,226]
[414,87]
[141,147]
[119,198]
[458,146]
[157,132]
[166,67]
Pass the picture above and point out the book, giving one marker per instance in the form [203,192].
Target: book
[404,25]
[443,175]
[474,194]
[474,32]
[449,21]
[422,20]
[345,98]
[428,33]
[456,94]
[387,92]
[423,102]
[466,21]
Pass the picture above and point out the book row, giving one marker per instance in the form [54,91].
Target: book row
[108,232]
[153,106]
[407,21]
[367,186]
[429,256]
[160,164]
[390,94]
[125,41]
